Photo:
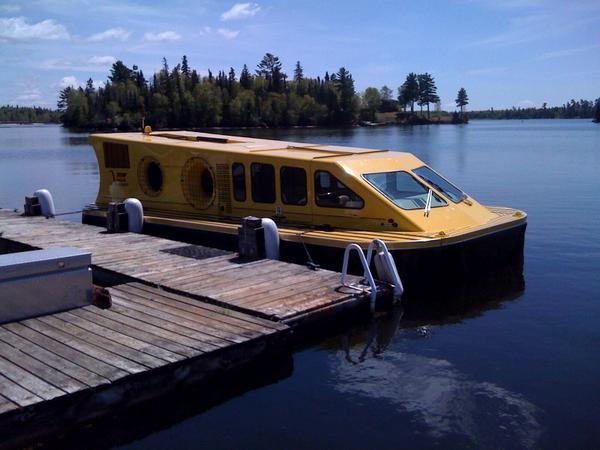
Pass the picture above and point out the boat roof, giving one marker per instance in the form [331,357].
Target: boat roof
[242,144]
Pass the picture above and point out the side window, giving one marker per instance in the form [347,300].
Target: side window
[263,183]
[293,185]
[332,193]
[238,176]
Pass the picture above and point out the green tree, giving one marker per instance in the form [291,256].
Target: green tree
[462,100]
[408,93]
[597,111]
[348,104]
[245,78]
[209,105]
[270,69]
[371,100]
[386,94]
[120,73]
[185,68]
[427,91]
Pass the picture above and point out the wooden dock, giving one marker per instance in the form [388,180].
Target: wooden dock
[179,314]
[271,289]
[62,369]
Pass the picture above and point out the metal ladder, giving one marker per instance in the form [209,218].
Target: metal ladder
[385,265]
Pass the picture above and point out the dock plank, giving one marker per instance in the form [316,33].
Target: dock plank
[141,358]
[28,380]
[102,368]
[136,344]
[17,394]
[6,405]
[53,360]
[47,373]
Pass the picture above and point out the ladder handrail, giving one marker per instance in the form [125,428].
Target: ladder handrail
[389,262]
[367,272]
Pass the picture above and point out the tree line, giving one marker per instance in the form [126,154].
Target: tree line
[180,97]
[28,114]
[417,89]
[573,109]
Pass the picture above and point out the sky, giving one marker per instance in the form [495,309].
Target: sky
[503,52]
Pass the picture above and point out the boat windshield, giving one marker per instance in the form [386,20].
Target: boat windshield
[403,189]
[438,182]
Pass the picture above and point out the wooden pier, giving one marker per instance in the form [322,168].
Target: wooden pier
[270,289]
[180,313]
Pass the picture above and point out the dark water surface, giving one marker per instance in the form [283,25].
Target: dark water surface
[519,368]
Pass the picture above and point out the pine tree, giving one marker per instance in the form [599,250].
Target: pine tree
[194,80]
[120,72]
[462,100]
[408,93]
[298,72]
[345,86]
[270,69]
[427,91]
[185,68]
[245,78]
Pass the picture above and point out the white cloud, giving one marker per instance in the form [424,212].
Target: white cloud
[205,30]
[112,33]
[102,60]
[9,8]
[28,97]
[17,29]
[228,34]
[70,81]
[165,36]
[241,11]
[93,64]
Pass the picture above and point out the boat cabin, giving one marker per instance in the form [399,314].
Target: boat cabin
[224,178]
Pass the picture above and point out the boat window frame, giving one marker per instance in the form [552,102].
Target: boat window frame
[316,174]
[443,192]
[243,182]
[392,200]
[281,186]
[273,184]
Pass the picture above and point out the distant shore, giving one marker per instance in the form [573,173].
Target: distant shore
[444,119]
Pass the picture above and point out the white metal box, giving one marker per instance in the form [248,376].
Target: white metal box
[42,282]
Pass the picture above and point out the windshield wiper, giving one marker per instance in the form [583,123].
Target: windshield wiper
[441,189]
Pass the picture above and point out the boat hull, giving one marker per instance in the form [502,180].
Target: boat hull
[426,269]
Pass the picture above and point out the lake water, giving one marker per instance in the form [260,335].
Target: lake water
[519,367]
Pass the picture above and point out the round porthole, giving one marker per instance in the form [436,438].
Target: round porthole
[150,176]
[198,183]
[207,183]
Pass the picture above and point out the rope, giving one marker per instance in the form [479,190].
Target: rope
[310,264]
[68,213]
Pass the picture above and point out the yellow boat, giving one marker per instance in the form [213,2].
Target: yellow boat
[197,187]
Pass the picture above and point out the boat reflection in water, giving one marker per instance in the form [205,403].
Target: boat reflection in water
[377,363]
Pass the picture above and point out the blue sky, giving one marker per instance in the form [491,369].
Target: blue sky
[504,52]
